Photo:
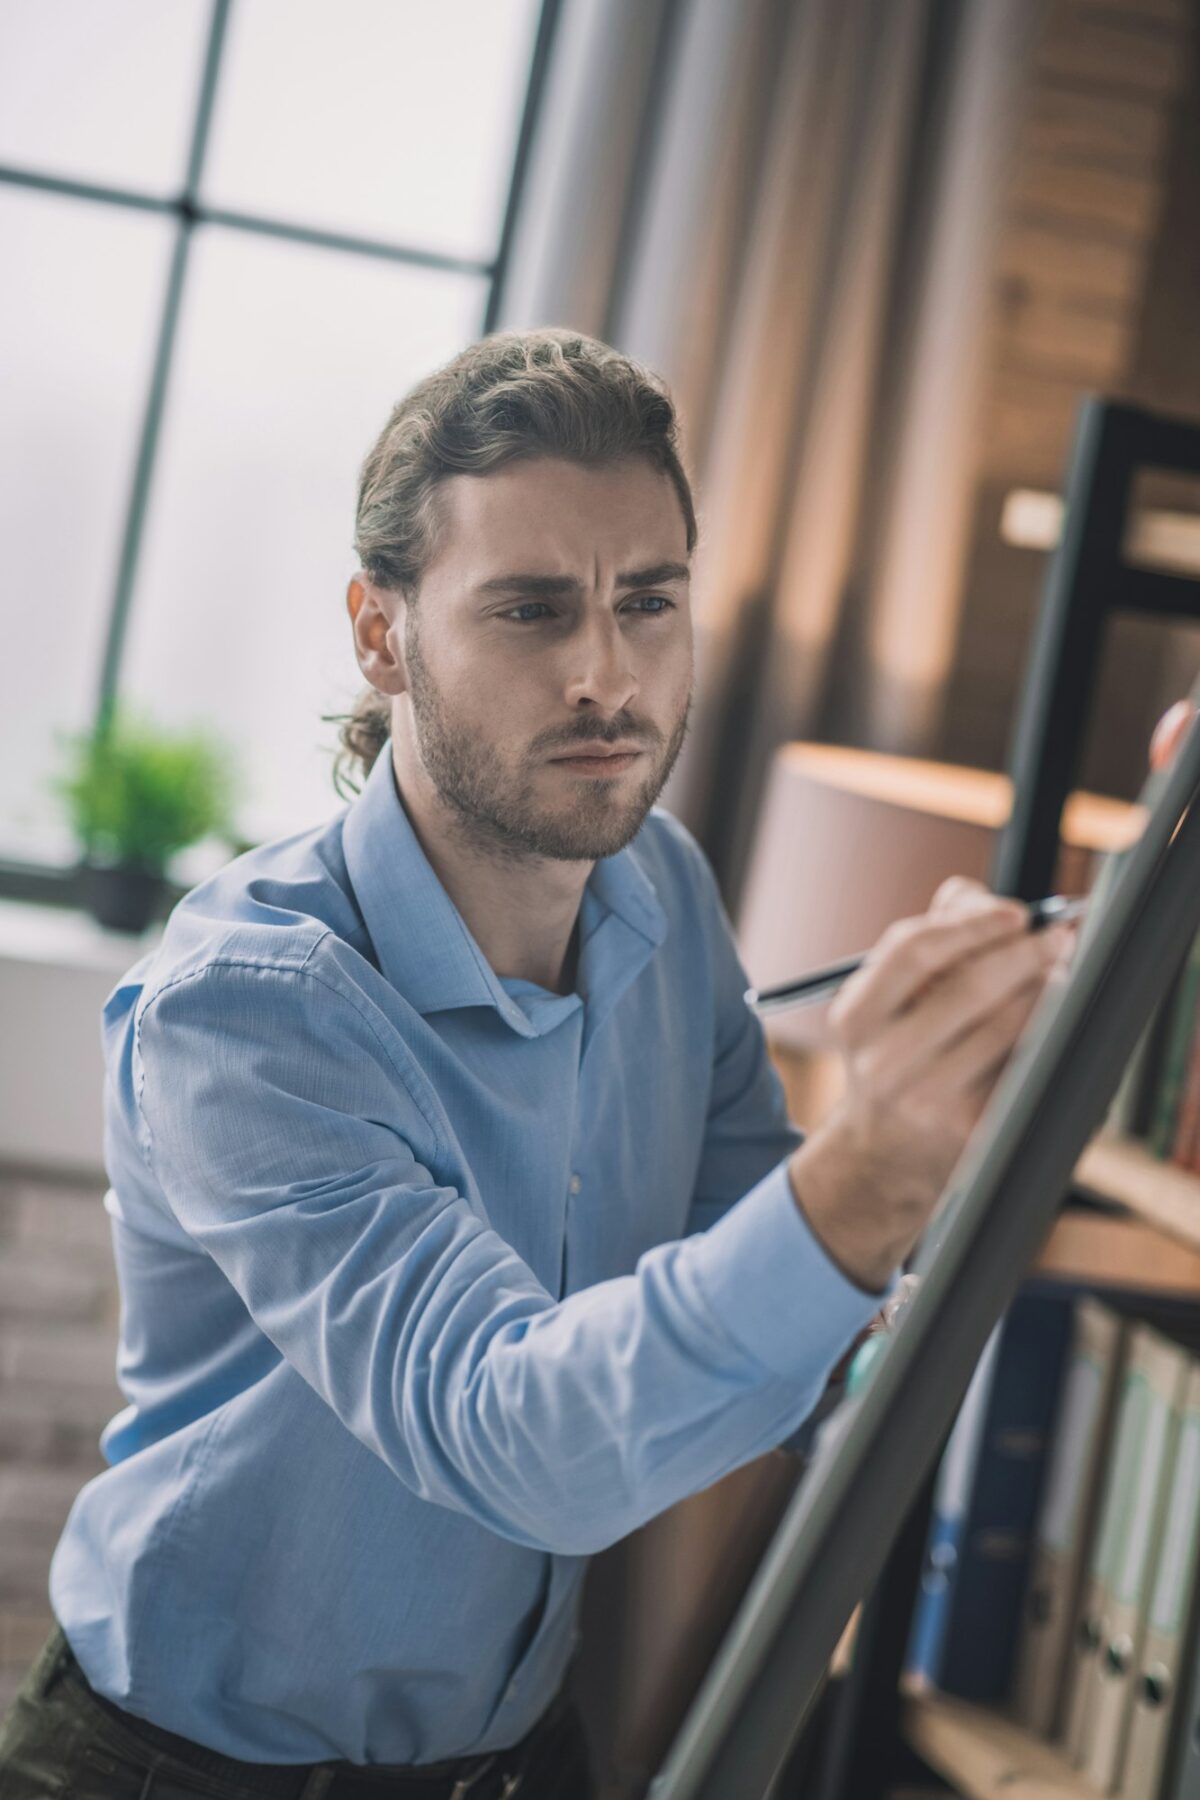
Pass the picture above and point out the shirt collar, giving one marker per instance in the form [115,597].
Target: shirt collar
[424,946]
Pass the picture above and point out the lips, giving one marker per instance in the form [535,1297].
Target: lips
[591,754]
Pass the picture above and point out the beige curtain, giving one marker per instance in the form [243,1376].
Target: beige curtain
[787,208]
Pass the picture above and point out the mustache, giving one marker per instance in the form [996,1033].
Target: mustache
[592,733]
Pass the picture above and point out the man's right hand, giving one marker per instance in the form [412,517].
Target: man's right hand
[925,1028]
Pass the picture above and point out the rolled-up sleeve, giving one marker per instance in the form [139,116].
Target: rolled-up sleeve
[280,1128]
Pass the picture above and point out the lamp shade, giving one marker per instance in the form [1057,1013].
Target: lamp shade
[850,840]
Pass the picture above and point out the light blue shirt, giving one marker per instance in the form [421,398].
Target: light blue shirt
[411,1318]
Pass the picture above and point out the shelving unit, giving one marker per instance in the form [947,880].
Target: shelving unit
[1153,1245]
[1150,1242]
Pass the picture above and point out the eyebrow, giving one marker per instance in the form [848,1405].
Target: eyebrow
[556,587]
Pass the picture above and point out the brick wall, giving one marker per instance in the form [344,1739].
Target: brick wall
[59,1310]
[1088,253]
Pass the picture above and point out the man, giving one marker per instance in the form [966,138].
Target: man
[459,1221]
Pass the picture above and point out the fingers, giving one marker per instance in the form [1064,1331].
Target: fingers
[973,1001]
[957,892]
[1169,732]
[974,1061]
[912,953]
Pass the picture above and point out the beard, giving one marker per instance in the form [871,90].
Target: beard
[495,810]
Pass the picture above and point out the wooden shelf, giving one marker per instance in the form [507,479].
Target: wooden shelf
[986,1756]
[1099,1250]
[1163,1195]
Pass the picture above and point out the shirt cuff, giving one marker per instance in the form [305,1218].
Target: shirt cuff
[774,1288]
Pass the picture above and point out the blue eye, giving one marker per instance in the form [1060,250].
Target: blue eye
[535,611]
[512,613]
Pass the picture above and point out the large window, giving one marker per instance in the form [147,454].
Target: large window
[233,233]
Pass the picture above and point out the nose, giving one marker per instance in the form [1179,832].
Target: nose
[599,668]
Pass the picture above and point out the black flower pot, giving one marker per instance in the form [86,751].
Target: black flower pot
[123,896]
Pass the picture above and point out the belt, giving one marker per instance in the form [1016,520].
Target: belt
[495,1776]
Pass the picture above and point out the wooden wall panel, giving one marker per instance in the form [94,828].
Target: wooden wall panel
[1090,246]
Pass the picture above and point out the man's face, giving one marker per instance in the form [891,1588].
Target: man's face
[507,673]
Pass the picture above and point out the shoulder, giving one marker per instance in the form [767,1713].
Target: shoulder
[260,993]
[270,1010]
[272,909]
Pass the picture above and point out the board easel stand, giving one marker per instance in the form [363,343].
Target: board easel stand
[1088,583]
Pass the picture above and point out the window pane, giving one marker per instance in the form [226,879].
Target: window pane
[101,90]
[288,363]
[79,310]
[394,119]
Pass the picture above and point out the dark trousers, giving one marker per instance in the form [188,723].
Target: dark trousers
[61,1739]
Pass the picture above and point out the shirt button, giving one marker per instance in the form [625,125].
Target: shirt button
[575,1184]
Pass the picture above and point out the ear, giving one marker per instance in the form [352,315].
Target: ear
[377,617]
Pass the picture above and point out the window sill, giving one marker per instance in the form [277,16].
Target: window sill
[57,968]
[66,937]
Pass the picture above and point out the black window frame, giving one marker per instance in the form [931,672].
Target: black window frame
[55,885]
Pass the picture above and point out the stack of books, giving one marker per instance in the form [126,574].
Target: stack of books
[1060,1580]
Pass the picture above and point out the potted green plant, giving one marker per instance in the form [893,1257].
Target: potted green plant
[135,795]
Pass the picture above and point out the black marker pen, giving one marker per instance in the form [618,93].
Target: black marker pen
[821,984]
